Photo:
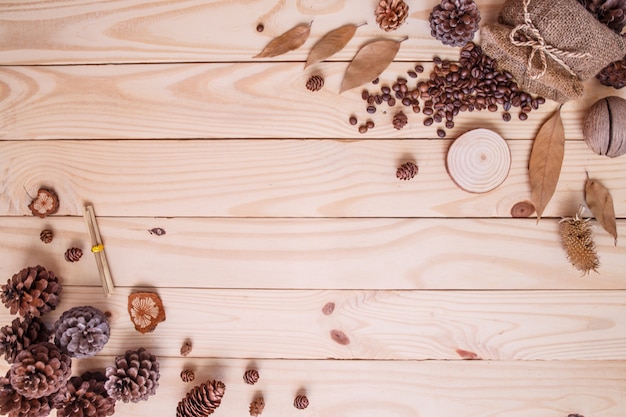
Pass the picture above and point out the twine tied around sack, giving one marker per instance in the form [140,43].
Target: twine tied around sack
[539,46]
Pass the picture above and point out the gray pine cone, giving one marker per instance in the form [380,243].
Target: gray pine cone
[40,370]
[32,291]
[134,377]
[16,405]
[454,22]
[20,334]
[81,332]
[85,397]
[202,400]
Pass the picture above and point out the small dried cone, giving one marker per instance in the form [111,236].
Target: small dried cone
[135,376]
[32,291]
[391,14]
[407,171]
[20,334]
[16,405]
[187,375]
[202,400]
[400,120]
[73,254]
[614,74]
[315,83]
[81,332]
[85,397]
[577,240]
[301,402]
[256,406]
[251,376]
[185,349]
[46,236]
[40,370]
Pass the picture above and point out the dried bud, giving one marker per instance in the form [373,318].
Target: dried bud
[301,402]
[315,83]
[73,254]
[251,376]
[185,349]
[46,236]
[187,375]
[407,171]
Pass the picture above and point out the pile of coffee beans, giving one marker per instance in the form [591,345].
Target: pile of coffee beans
[472,84]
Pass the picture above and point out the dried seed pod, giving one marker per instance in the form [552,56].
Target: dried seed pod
[187,375]
[134,377]
[251,376]
[202,400]
[577,240]
[40,370]
[256,406]
[407,171]
[46,236]
[400,120]
[315,83]
[46,202]
[145,310]
[73,254]
[185,349]
[602,127]
[33,291]
[301,402]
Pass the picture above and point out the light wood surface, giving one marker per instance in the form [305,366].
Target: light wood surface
[289,244]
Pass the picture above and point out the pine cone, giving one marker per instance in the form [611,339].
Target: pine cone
[454,22]
[610,12]
[40,370]
[400,120]
[614,74]
[256,406]
[301,402]
[134,377]
[73,254]
[187,375]
[407,171]
[391,14]
[578,243]
[85,397]
[46,236]
[81,332]
[185,349]
[202,400]
[21,334]
[32,291]
[251,376]
[16,405]
[315,83]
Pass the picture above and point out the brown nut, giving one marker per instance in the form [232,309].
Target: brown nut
[603,127]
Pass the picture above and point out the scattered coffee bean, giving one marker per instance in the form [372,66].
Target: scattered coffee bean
[260,27]
[428,121]
[523,116]
[385,90]
[441,133]
[369,124]
[506,117]
[362,129]
[376,80]
[365,95]
[371,109]
[412,74]
[449,124]
[419,68]
[353,120]
[392,102]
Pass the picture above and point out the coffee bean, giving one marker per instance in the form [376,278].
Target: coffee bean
[385,90]
[437,60]
[371,109]
[365,94]
[449,124]
[428,111]
[428,121]
[492,108]
[437,117]
[369,124]
[506,117]
[260,27]
[441,133]
[378,99]
[406,101]
[353,120]
[391,102]
[376,80]
[523,116]
[412,74]
[419,69]
[401,80]
[416,109]
[362,129]
[371,99]
[386,97]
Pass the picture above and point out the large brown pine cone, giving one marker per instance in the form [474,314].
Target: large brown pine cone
[20,334]
[16,405]
[202,400]
[134,377]
[32,291]
[391,14]
[454,22]
[81,332]
[614,74]
[40,370]
[85,397]
[610,12]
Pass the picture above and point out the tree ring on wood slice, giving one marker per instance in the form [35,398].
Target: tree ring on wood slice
[478,161]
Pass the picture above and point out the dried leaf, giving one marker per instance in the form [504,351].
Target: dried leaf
[600,203]
[331,43]
[288,41]
[545,163]
[371,60]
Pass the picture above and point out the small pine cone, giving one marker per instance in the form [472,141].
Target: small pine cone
[454,22]
[400,120]
[256,406]
[391,14]
[32,291]
[202,400]
[301,402]
[610,12]
[315,83]
[251,376]
[73,254]
[40,370]
[187,375]
[407,171]
[134,377]
[85,396]
[16,405]
[577,240]
[185,349]
[81,332]
[46,236]
[614,74]
[21,334]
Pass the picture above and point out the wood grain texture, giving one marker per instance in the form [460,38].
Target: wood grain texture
[280,178]
[314,253]
[389,325]
[398,389]
[56,32]
[223,100]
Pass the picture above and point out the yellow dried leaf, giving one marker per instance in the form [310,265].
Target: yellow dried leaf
[331,43]
[600,203]
[371,60]
[288,41]
[546,159]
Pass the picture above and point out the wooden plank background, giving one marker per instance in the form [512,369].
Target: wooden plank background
[276,209]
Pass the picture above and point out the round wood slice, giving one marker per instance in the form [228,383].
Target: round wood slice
[479,161]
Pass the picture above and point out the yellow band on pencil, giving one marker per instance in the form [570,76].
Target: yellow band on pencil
[97,248]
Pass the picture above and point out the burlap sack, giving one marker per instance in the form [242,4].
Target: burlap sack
[568,32]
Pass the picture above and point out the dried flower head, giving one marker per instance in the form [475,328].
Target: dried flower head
[146,311]
[46,202]
[577,240]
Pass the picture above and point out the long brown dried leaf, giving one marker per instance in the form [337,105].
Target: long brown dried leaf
[546,159]
[288,41]
[331,43]
[600,203]
[371,60]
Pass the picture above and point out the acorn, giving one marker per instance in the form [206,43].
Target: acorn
[603,127]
